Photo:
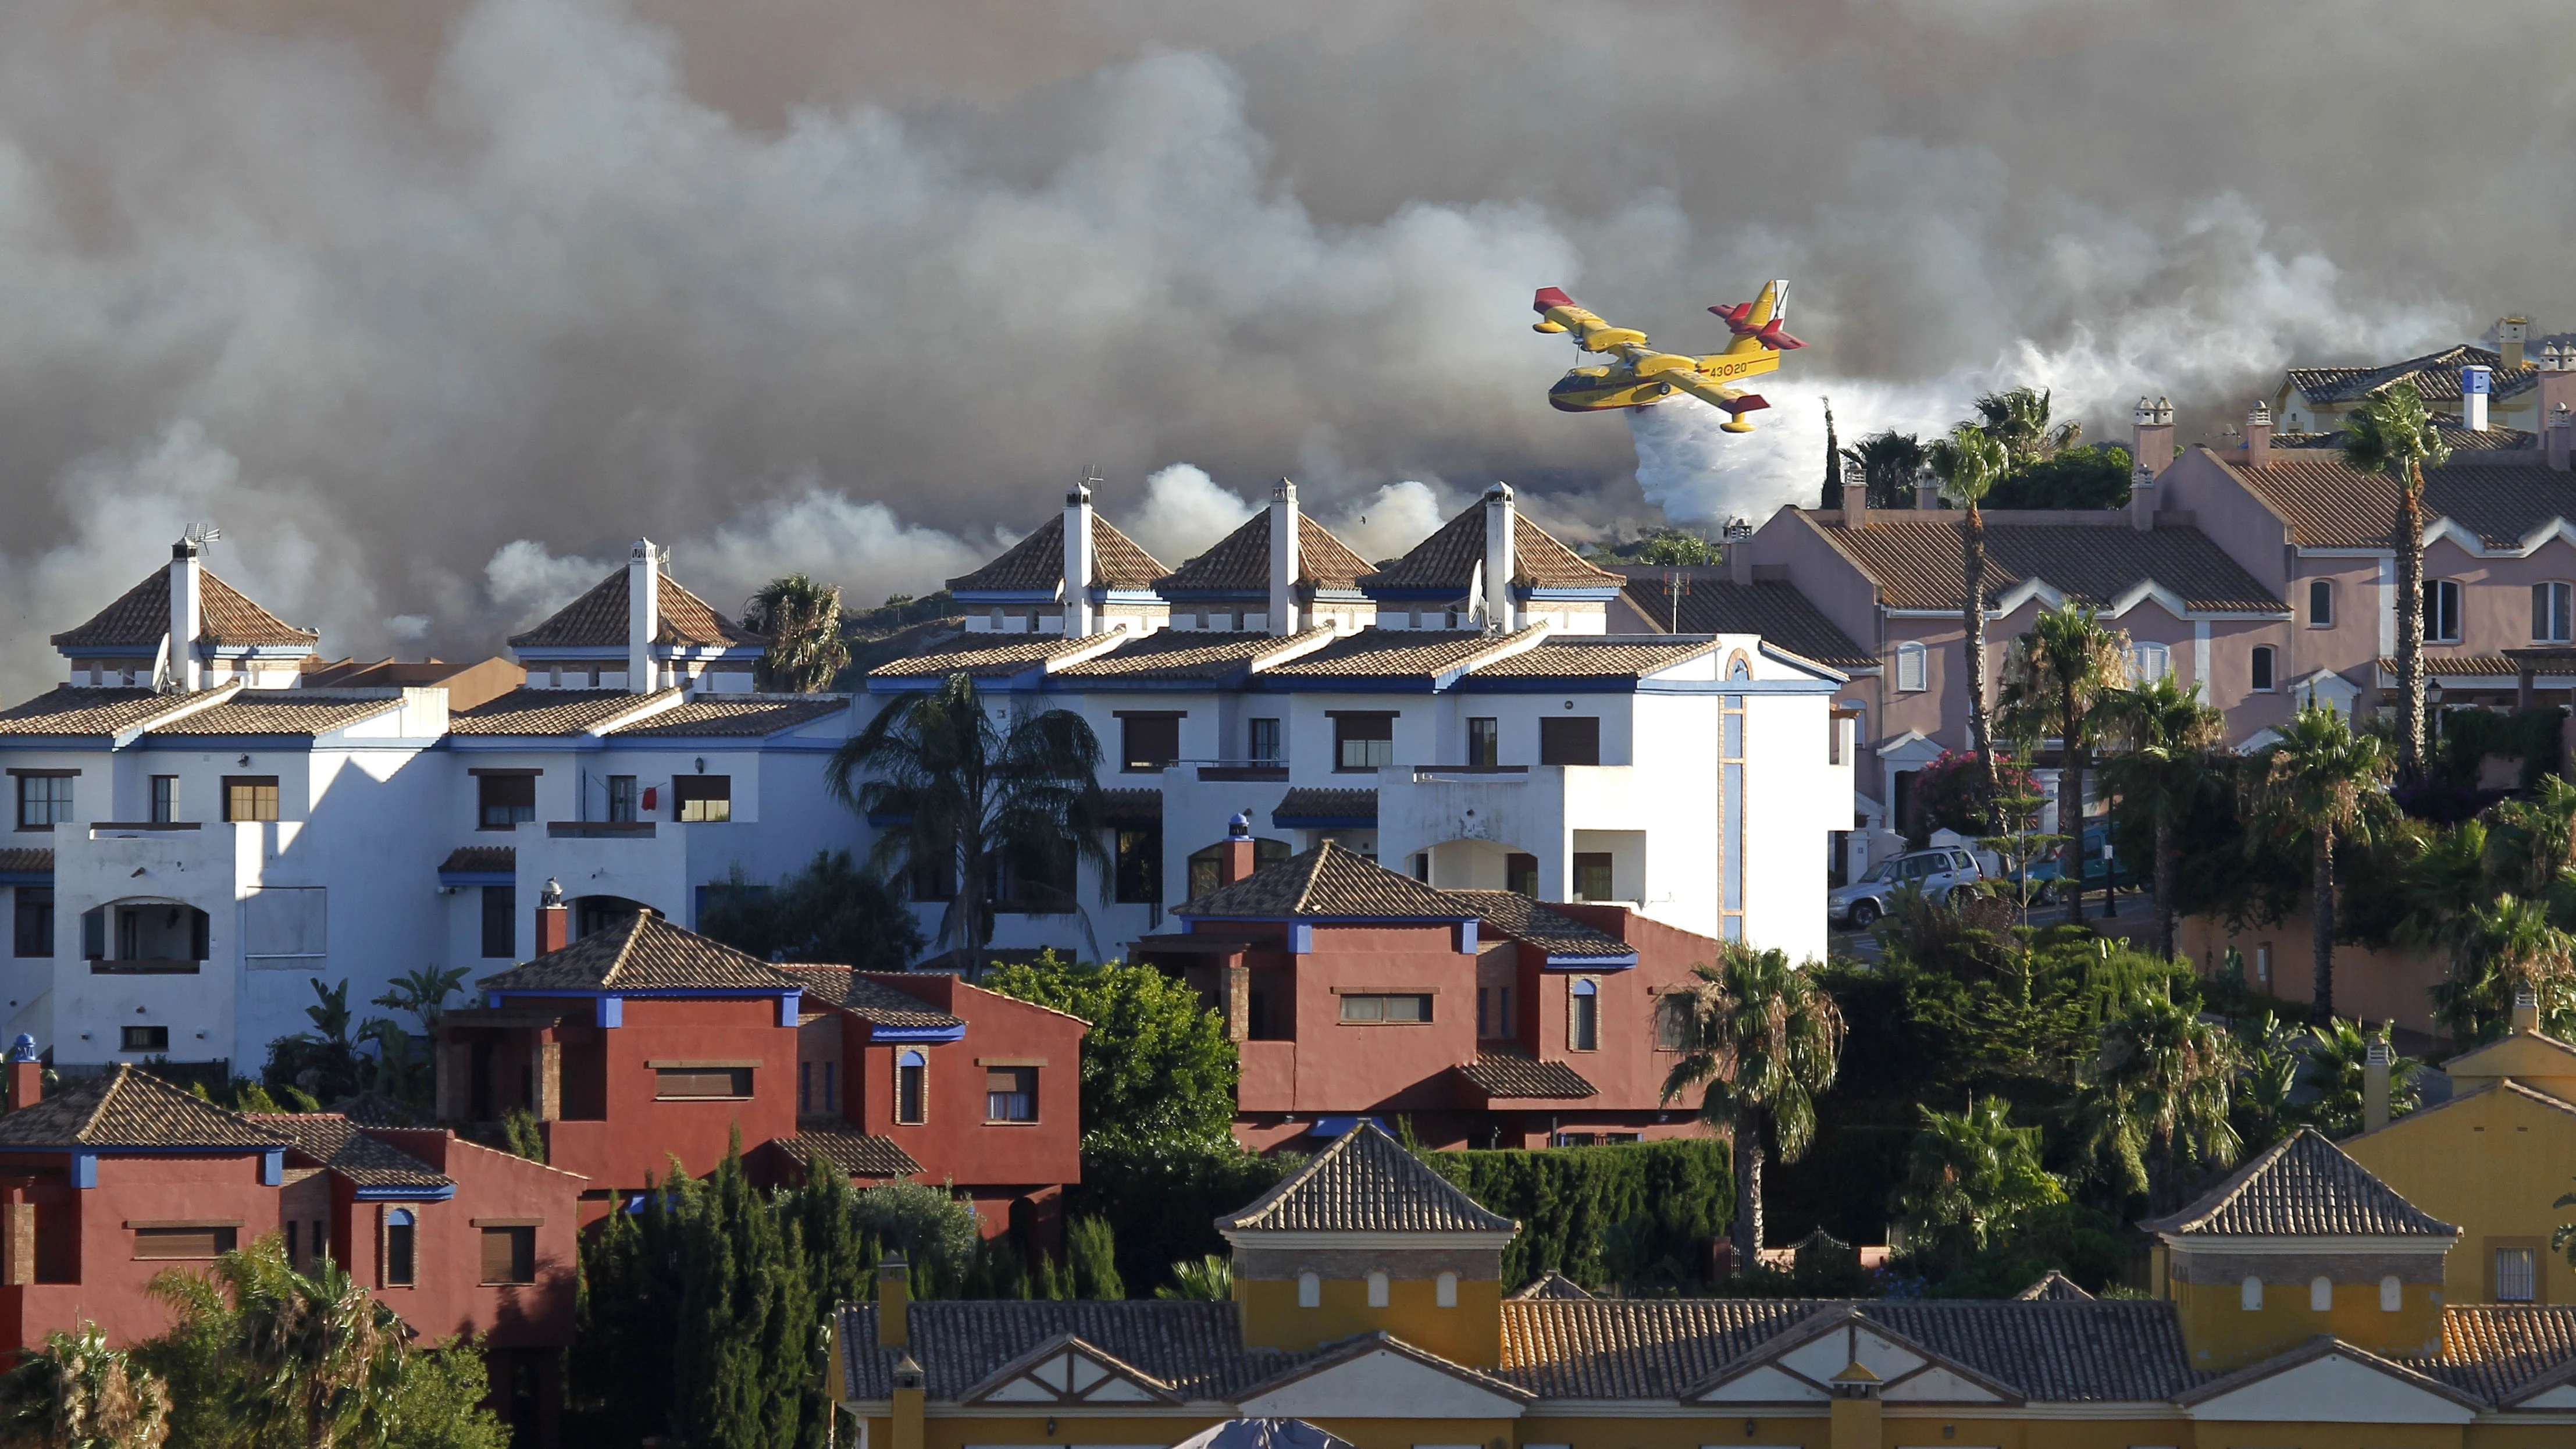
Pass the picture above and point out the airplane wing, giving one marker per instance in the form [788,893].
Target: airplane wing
[1559,313]
[1733,401]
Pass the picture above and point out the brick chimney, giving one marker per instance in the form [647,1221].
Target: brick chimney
[2557,408]
[554,922]
[2477,383]
[1283,558]
[26,1073]
[1235,860]
[2258,435]
[2511,334]
[2151,440]
[187,594]
[1498,559]
[643,614]
[1077,560]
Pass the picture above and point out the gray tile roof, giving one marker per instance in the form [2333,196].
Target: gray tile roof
[1711,604]
[1240,563]
[749,716]
[533,711]
[1518,916]
[1448,558]
[865,997]
[2299,1187]
[2054,1287]
[1916,563]
[66,710]
[1366,1183]
[1036,563]
[1328,880]
[303,712]
[1005,655]
[1197,1348]
[2436,376]
[140,618]
[2331,506]
[856,1154]
[644,953]
[127,1107]
[330,1140]
[2501,1351]
[1311,802]
[1183,654]
[1500,1074]
[1396,653]
[597,620]
[480,860]
[1554,1286]
[26,860]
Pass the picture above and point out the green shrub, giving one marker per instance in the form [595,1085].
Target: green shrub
[1639,1217]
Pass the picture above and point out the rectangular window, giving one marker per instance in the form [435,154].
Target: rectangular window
[804,1088]
[911,1093]
[1264,741]
[677,1083]
[1569,740]
[1484,743]
[143,1038]
[1592,879]
[1520,874]
[2260,674]
[2517,1275]
[34,922]
[500,922]
[402,1250]
[2149,663]
[1010,1094]
[504,800]
[1406,1008]
[1913,668]
[1493,1013]
[189,1241]
[44,801]
[1673,1021]
[2320,603]
[1140,866]
[703,797]
[932,879]
[250,797]
[622,800]
[1152,742]
[2441,611]
[510,1255]
[1583,1017]
[2549,613]
[1363,741]
[165,799]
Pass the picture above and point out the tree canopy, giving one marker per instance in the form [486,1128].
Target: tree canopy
[1156,1064]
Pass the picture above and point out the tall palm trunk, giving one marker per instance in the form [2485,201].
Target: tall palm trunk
[1748,1189]
[2407,540]
[2322,932]
[2168,873]
[2070,809]
[1972,530]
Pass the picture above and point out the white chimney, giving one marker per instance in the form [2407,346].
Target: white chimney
[2475,383]
[1283,558]
[2558,404]
[643,614]
[2142,497]
[1927,489]
[1498,559]
[2152,439]
[2258,435]
[1077,561]
[187,571]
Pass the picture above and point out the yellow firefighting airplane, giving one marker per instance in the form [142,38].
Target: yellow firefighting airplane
[1642,376]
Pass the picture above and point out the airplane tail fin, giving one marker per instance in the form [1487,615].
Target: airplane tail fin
[1549,297]
[1758,323]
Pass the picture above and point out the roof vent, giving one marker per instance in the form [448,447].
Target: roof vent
[1240,827]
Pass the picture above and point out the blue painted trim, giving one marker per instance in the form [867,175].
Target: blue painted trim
[1440,920]
[1467,938]
[608,1011]
[926,1035]
[1341,1126]
[26,878]
[84,1169]
[1592,963]
[469,878]
[1005,596]
[406,1194]
[272,1167]
[584,993]
[1301,938]
[789,1003]
[1738,686]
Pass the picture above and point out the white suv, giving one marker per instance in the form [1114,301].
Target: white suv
[1933,872]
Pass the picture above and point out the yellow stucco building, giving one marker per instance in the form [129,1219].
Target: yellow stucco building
[1368,1301]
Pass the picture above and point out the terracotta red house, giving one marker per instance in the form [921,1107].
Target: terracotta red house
[1486,1018]
[123,1176]
[642,1043]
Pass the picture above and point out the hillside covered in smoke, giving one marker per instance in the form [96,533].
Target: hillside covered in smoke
[432,306]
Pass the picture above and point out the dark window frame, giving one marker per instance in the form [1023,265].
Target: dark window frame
[32,922]
[1569,739]
[625,800]
[1484,742]
[1016,1102]
[254,785]
[702,792]
[696,1084]
[165,799]
[1588,861]
[1262,742]
[143,1039]
[1149,741]
[911,1088]
[1136,857]
[500,923]
[51,794]
[519,1241]
[1361,727]
[1374,1008]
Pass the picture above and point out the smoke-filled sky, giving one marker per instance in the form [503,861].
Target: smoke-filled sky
[431,306]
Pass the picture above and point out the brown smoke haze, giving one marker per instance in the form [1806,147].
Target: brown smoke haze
[431,305]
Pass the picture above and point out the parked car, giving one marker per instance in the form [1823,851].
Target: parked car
[2045,874]
[1933,872]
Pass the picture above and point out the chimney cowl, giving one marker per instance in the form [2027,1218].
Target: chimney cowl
[24,1049]
[1240,827]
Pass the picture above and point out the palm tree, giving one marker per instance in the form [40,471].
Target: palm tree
[2514,946]
[78,1393]
[2532,840]
[2337,1056]
[1973,1172]
[423,991]
[2018,419]
[2320,780]
[968,801]
[1971,463]
[1888,462]
[2159,1091]
[2052,678]
[1761,1040]
[2392,433]
[803,622]
[319,1358]
[2164,738]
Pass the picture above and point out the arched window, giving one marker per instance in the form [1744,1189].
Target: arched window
[2320,603]
[2392,1294]
[2251,1293]
[2320,1293]
[1376,1288]
[1445,1290]
[2260,674]
[1310,1291]
[912,1088]
[1913,669]
[401,1248]
[1739,667]
[1583,1016]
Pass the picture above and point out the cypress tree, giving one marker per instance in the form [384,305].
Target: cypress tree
[1091,1248]
[746,1323]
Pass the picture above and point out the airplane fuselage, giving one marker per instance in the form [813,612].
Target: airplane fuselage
[1599,389]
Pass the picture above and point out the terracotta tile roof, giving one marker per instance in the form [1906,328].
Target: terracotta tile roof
[644,953]
[856,1154]
[1140,805]
[1240,562]
[1307,802]
[1555,1286]
[867,998]
[1035,565]
[1518,916]
[2453,437]
[1395,653]
[1365,1183]
[1917,564]
[2436,376]
[534,711]
[1327,881]
[26,860]
[1448,559]
[141,617]
[330,1140]
[597,620]
[1601,656]
[1009,654]
[127,1107]
[375,1109]
[65,710]
[1196,1348]
[2330,506]
[2482,665]
[748,716]
[281,712]
[1183,654]
[2500,1351]
[1776,611]
[2302,1186]
[480,860]
[2055,1287]
[1517,1074]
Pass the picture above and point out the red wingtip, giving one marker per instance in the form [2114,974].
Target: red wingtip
[1751,402]
[1550,297]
